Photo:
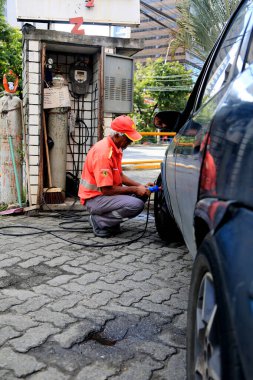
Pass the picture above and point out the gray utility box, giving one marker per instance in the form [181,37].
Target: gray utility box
[118,90]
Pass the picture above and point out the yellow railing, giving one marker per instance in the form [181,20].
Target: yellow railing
[140,161]
[158,133]
[146,164]
[141,164]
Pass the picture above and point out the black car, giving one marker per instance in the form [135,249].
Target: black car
[207,200]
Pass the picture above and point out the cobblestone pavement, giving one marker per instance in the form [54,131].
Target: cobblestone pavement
[90,313]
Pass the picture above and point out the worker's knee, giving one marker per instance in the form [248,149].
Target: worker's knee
[138,205]
[131,209]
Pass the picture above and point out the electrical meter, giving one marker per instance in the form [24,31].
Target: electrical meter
[80,75]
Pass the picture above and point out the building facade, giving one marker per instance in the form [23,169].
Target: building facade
[157,29]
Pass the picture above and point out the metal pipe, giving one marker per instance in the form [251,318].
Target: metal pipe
[15,171]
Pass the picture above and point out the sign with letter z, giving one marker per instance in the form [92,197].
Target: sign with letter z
[113,12]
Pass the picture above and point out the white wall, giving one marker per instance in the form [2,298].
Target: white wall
[95,30]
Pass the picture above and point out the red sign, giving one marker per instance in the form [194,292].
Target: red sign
[78,21]
[90,3]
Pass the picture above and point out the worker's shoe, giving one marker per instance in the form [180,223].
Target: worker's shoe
[115,230]
[103,233]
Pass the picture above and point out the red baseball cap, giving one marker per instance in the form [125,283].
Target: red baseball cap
[124,124]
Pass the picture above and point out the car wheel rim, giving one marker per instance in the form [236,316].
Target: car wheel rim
[207,344]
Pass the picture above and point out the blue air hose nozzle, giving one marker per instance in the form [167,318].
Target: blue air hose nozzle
[154,189]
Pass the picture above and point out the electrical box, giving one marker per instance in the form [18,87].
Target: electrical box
[118,86]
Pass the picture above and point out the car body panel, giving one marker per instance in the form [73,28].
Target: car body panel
[207,172]
[190,161]
[234,242]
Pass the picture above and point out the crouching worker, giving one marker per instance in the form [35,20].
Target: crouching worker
[109,195]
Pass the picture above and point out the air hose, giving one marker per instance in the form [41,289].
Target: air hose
[38,231]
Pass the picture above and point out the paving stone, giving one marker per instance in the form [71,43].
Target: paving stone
[135,246]
[104,260]
[116,308]
[79,261]
[99,299]
[181,320]
[130,285]
[130,268]
[132,296]
[52,290]
[115,276]
[31,304]
[160,295]
[88,278]
[65,302]
[58,261]
[33,337]
[9,262]
[92,267]
[128,258]
[48,254]
[20,323]
[32,262]
[6,303]
[157,351]
[21,294]
[173,336]
[24,255]
[99,316]
[21,364]
[7,375]
[173,369]
[177,302]
[71,269]
[3,273]
[56,318]
[118,288]
[60,280]
[74,287]
[7,333]
[156,308]
[183,279]
[183,293]
[98,371]
[50,374]
[75,334]
[138,369]
[141,275]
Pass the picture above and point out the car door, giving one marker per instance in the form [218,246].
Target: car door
[193,137]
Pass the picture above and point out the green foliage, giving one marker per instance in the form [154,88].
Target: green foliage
[159,86]
[2,4]
[10,48]
[200,23]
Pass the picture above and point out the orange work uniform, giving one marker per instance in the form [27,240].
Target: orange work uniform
[102,168]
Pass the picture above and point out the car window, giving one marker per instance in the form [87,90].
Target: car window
[249,57]
[221,69]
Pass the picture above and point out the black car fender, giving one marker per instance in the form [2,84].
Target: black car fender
[233,242]
[208,217]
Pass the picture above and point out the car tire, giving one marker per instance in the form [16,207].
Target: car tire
[165,223]
[211,347]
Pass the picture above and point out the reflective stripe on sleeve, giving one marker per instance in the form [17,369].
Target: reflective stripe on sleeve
[88,185]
